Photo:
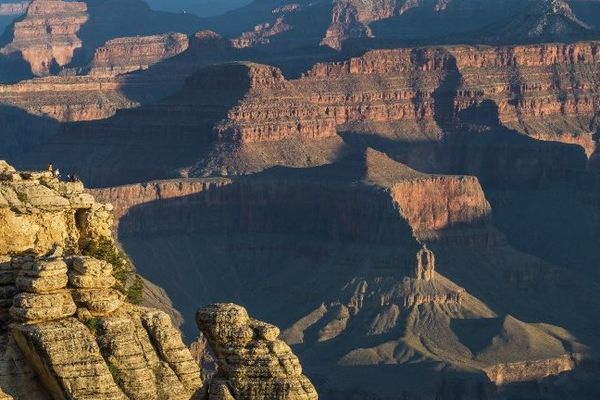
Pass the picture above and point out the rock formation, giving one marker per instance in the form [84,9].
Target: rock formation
[101,94]
[407,94]
[123,55]
[547,20]
[261,34]
[253,363]
[393,23]
[425,270]
[64,316]
[47,35]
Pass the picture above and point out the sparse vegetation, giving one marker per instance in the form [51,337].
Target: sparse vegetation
[128,281]
[22,197]
[115,372]
[135,293]
[92,325]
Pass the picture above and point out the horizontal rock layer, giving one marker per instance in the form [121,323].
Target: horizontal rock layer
[123,55]
[551,88]
[47,36]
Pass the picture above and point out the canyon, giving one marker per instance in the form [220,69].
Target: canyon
[372,281]
[408,189]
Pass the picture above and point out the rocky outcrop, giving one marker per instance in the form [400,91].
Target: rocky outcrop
[253,363]
[68,318]
[47,35]
[425,270]
[123,55]
[351,19]
[507,373]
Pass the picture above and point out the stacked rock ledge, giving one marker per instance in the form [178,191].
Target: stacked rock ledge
[253,363]
[66,332]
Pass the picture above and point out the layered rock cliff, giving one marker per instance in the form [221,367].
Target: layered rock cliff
[412,96]
[123,55]
[47,35]
[69,328]
[16,8]
[107,88]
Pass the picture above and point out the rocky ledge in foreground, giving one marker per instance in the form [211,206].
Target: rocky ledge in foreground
[70,327]
[253,364]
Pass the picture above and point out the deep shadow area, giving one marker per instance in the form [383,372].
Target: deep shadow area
[156,141]
[476,334]
[110,19]
[233,241]
[20,131]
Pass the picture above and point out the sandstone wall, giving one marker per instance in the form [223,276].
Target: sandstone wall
[507,373]
[47,36]
[548,92]
[123,198]
[123,55]
[67,99]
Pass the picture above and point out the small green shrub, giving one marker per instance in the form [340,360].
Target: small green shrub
[22,197]
[135,293]
[92,325]
[115,372]
[128,282]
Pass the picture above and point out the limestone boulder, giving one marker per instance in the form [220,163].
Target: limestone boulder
[171,348]
[90,266]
